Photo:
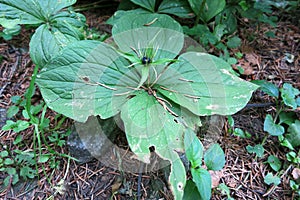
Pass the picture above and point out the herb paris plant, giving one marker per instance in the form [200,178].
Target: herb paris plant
[92,78]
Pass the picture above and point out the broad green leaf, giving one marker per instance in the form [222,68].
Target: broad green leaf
[13,12]
[148,124]
[202,179]
[205,85]
[285,143]
[214,157]
[48,40]
[149,30]
[193,148]
[293,135]
[288,94]
[147,4]
[257,149]
[271,127]
[207,9]
[8,161]
[87,78]
[191,191]
[121,13]
[274,162]
[287,117]
[267,87]
[270,179]
[176,7]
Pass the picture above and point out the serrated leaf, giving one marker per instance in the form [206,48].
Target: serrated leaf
[205,85]
[176,7]
[271,127]
[257,149]
[293,135]
[267,87]
[274,163]
[202,179]
[270,179]
[214,157]
[193,148]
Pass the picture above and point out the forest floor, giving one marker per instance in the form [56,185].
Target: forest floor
[264,59]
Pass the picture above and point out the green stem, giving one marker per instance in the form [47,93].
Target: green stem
[199,13]
[29,94]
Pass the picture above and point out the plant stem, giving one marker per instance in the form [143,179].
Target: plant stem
[199,13]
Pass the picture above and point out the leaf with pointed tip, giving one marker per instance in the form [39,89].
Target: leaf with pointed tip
[205,85]
[155,30]
[148,124]
[87,78]
[147,4]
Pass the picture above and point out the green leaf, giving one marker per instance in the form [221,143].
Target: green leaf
[148,124]
[29,11]
[240,133]
[18,139]
[9,125]
[149,30]
[270,179]
[27,172]
[16,99]
[207,9]
[3,154]
[147,4]
[287,117]
[293,135]
[202,179]
[12,111]
[219,31]
[233,42]
[20,126]
[284,142]
[193,148]
[191,191]
[43,158]
[274,163]
[271,127]
[288,94]
[176,7]
[214,157]
[8,161]
[205,85]
[257,149]
[267,87]
[88,78]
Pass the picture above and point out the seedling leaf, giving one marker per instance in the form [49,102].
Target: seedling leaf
[288,94]
[271,127]
[214,157]
[257,149]
[193,148]
[274,163]
[202,179]
[293,135]
[270,179]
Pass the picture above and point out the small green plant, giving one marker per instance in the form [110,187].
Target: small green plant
[159,98]
[158,93]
